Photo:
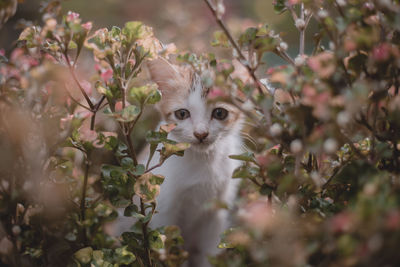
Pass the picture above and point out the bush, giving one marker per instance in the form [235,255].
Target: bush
[320,182]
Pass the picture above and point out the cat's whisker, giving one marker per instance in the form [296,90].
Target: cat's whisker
[251,140]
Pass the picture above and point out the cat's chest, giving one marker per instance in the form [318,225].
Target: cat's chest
[199,172]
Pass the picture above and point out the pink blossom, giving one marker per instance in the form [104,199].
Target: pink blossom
[293,2]
[2,52]
[381,52]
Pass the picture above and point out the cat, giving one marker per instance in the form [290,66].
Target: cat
[203,175]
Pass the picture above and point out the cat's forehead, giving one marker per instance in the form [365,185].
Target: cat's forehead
[196,86]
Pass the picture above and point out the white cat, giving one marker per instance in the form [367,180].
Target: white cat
[203,175]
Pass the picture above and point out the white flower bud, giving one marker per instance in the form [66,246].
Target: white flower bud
[300,60]
[322,13]
[314,175]
[330,145]
[300,24]
[343,118]
[283,46]
[332,46]
[341,2]
[247,105]
[296,146]
[275,130]
[16,229]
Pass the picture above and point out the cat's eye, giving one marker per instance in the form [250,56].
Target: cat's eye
[220,113]
[182,114]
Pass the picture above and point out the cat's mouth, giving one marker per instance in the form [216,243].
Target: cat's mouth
[202,145]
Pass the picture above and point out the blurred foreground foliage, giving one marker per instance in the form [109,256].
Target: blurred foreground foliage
[321,186]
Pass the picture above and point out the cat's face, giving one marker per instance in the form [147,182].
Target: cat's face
[198,121]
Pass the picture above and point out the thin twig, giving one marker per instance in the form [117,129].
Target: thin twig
[155,166]
[76,101]
[242,59]
[145,235]
[302,31]
[72,71]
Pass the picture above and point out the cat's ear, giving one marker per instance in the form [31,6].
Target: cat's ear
[165,74]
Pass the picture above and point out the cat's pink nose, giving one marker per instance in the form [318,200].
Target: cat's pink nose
[201,136]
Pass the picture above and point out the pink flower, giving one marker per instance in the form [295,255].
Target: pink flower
[381,52]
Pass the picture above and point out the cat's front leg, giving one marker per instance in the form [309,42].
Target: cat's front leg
[203,237]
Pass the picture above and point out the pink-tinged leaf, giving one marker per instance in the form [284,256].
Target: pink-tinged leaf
[71,16]
[350,45]
[106,75]
[215,93]
[87,26]
[87,135]
[64,122]
[393,220]
[381,52]
[342,222]
[167,128]
[323,64]
[87,87]
[293,2]
[118,106]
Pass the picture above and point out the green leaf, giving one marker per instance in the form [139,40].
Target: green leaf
[220,39]
[174,149]
[84,255]
[246,156]
[279,6]
[127,163]
[155,240]
[124,256]
[133,30]
[3,59]
[147,186]
[155,138]
[145,94]
[265,190]
[128,114]
[133,211]
[248,36]
[245,171]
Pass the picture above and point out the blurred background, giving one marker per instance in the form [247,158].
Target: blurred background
[188,24]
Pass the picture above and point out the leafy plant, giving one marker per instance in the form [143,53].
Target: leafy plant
[321,183]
